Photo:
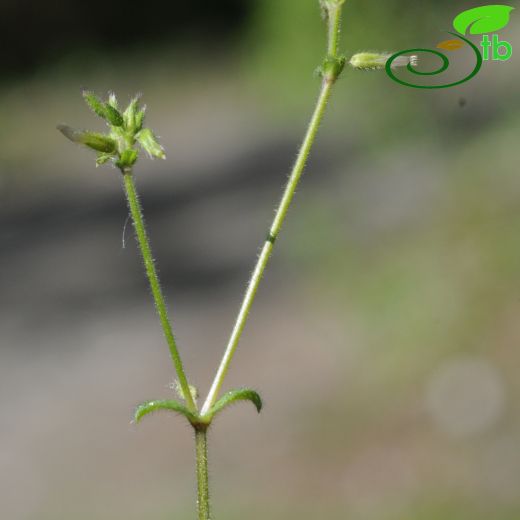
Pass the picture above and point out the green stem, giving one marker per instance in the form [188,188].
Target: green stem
[334,20]
[265,254]
[334,30]
[201,451]
[151,272]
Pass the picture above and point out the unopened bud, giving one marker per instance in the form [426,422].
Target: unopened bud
[128,159]
[377,61]
[129,114]
[149,143]
[180,392]
[112,100]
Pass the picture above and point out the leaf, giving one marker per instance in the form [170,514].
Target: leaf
[152,406]
[242,394]
[484,19]
[96,105]
[113,116]
[98,142]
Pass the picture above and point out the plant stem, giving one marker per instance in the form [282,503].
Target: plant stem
[281,213]
[201,451]
[151,272]
[334,30]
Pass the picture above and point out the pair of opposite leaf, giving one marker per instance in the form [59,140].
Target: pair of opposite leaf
[119,145]
[197,421]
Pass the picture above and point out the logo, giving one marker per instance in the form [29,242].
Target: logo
[483,21]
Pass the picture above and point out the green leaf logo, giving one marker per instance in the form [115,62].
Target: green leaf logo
[485,19]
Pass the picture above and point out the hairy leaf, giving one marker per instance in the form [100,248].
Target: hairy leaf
[96,105]
[152,406]
[242,394]
[98,142]
[113,116]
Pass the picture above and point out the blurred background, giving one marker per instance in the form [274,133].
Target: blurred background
[384,339]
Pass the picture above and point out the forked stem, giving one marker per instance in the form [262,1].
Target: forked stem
[155,286]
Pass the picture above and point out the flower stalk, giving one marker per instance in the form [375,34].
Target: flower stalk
[330,72]
[155,286]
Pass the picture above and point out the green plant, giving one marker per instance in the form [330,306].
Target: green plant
[120,146]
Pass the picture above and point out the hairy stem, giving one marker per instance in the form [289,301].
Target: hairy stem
[334,21]
[151,272]
[201,451]
[334,30]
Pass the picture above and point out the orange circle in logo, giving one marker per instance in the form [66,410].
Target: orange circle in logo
[451,45]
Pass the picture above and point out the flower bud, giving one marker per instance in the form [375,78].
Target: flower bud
[180,392]
[149,143]
[129,114]
[128,159]
[112,100]
[119,144]
[377,61]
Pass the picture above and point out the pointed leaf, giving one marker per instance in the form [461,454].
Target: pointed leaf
[484,19]
[96,105]
[113,116]
[242,394]
[98,142]
[152,406]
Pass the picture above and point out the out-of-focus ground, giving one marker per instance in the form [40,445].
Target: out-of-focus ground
[385,337]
